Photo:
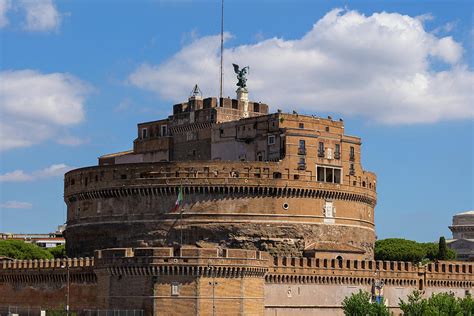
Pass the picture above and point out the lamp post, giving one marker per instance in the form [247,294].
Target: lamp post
[67,285]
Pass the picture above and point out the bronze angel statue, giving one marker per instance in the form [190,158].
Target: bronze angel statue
[241,75]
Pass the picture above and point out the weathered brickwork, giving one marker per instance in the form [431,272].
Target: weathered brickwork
[200,281]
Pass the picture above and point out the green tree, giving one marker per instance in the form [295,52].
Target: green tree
[467,305]
[442,249]
[398,249]
[359,304]
[18,249]
[416,305]
[444,304]
[58,251]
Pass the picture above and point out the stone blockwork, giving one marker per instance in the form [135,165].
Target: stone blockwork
[250,205]
[200,281]
[287,184]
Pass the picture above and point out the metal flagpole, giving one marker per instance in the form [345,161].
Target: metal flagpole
[222,48]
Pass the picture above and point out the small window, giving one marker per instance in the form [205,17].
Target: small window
[285,206]
[144,132]
[321,149]
[164,130]
[327,128]
[260,156]
[329,175]
[296,177]
[271,140]
[301,125]
[123,176]
[277,175]
[174,288]
[302,161]
[352,154]
[302,143]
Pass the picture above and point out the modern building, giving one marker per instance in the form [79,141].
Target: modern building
[43,240]
[463,236]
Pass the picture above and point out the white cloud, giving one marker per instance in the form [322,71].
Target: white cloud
[34,105]
[378,66]
[16,205]
[40,15]
[55,170]
[15,176]
[5,5]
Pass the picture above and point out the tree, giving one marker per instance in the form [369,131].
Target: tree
[416,305]
[438,304]
[398,249]
[18,249]
[359,304]
[442,249]
[58,251]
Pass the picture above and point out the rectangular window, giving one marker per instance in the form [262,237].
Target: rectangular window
[174,288]
[328,174]
[337,151]
[321,174]
[329,177]
[271,140]
[164,130]
[321,149]
[302,143]
[144,133]
[352,154]
[301,125]
[302,161]
[337,175]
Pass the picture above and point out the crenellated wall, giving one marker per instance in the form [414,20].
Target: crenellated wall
[43,283]
[196,281]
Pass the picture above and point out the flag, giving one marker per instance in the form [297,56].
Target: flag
[178,200]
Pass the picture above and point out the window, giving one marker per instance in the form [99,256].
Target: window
[144,132]
[352,170]
[174,288]
[164,130]
[321,149]
[327,128]
[302,161]
[337,152]
[271,140]
[328,174]
[260,156]
[352,154]
[301,125]
[302,147]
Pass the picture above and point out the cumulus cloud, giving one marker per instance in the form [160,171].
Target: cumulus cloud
[34,105]
[5,5]
[39,15]
[16,205]
[55,170]
[382,66]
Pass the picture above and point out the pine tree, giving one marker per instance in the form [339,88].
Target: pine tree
[442,249]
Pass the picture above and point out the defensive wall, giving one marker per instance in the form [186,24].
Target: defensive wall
[254,205]
[203,281]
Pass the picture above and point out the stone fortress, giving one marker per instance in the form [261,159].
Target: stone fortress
[224,209]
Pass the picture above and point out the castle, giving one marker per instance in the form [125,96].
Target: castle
[223,208]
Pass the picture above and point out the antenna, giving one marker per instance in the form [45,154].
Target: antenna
[222,47]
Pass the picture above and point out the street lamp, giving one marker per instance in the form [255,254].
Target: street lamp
[67,286]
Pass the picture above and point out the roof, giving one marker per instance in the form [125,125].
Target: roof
[332,246]
[121,153]
[466,213]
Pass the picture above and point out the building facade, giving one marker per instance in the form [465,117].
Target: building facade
[288,184]
[463,236]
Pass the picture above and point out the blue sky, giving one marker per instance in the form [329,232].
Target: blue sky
[76,77]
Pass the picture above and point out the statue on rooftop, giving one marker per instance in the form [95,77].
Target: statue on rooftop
[241,75]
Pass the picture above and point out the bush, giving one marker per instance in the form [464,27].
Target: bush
[18,249]
[359,304]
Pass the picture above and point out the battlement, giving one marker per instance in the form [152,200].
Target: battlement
[46,264]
